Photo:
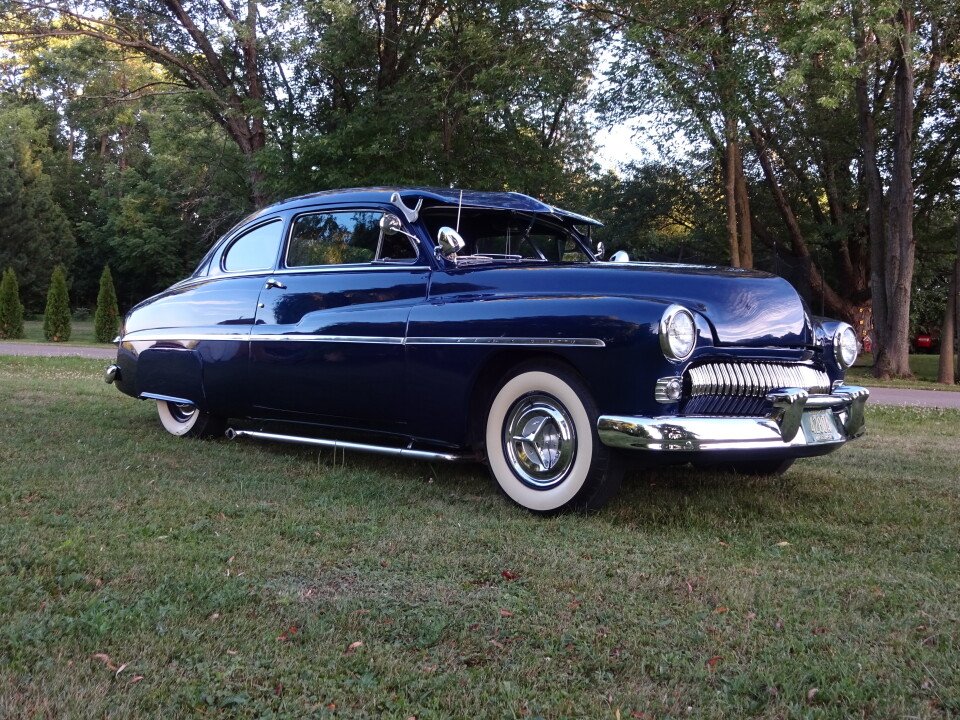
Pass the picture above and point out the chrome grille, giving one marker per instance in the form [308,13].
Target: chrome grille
[740,388]
[754,379]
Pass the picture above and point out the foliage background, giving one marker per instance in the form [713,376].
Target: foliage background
[134,134]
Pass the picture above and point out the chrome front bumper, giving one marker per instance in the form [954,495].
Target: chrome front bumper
[798,419]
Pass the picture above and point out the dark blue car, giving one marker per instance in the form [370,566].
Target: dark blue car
[449,325]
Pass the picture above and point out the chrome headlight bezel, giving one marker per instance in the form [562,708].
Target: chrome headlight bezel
[839,345]
[670,316]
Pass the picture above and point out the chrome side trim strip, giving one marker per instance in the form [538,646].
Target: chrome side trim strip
[173,336]
[168,335]
[525,341]
[360,339]
[338,444]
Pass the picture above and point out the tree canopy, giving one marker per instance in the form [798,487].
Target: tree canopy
[821,138]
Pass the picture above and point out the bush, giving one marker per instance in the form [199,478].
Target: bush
[11,309]
[56,318]
[106,321]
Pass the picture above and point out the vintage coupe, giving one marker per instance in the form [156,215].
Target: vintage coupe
[449,325]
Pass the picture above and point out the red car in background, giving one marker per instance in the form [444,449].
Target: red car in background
[925,342]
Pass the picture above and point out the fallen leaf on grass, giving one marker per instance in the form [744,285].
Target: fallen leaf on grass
[812,694]
[120,670]
[509,575]
[783,543]
[288,633]
[721,610]
[135,679]
[712,662]
[352,647]
[105,659]
[505,613]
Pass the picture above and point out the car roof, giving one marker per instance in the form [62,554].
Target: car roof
[433,197]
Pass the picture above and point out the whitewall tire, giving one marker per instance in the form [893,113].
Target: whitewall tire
[542,444]
[188,420]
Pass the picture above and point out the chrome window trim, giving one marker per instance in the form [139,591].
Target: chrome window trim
[353,267]
[221,265]
[284,265]
[167,335]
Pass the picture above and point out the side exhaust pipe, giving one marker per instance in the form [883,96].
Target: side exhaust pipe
[233,434]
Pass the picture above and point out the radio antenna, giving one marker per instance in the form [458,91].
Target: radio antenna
[459,206]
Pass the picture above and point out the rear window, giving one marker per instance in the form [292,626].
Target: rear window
[254,250]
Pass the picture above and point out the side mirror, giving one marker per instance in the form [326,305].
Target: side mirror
[620,256]
[390,224]
[449,242]
[599,252]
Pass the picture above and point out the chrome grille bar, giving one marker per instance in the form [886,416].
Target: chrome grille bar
[754,379]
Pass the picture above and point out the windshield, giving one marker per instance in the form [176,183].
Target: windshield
[506,234]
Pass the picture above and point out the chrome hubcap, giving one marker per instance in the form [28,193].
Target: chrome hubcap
[181,412]
[540,440]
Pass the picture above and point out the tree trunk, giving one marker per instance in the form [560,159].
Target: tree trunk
[893,359]
[743,212]
[730,187]
[946,369]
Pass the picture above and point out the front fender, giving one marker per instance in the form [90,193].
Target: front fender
[612,341]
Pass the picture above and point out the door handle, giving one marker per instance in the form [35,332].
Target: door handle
[274,283]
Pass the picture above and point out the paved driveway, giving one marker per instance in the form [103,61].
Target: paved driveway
[56,350]
[921,398]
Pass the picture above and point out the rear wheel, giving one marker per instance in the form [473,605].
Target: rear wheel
[188,420]
[542,443]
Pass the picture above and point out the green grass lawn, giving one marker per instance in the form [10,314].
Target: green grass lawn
[81,332]
[924,369]
[145,575]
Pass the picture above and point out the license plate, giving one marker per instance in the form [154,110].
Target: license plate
[819,426]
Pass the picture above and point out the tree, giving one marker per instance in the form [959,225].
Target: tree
[211,50]
[56,317]
[34,233]
[836,99]
[423,92]
[106,320]
[11,309]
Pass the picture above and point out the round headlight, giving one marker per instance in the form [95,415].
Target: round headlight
[845,346]
[678,333]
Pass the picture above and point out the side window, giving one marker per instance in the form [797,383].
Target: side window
[255,250]
[342,238]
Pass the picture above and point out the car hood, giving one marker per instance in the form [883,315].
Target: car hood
[744,307]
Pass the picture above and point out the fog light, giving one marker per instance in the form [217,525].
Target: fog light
[668,390]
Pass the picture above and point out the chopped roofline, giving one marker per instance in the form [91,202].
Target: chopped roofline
[493,200]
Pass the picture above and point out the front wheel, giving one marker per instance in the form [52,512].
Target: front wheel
[188,420]
[542,443]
